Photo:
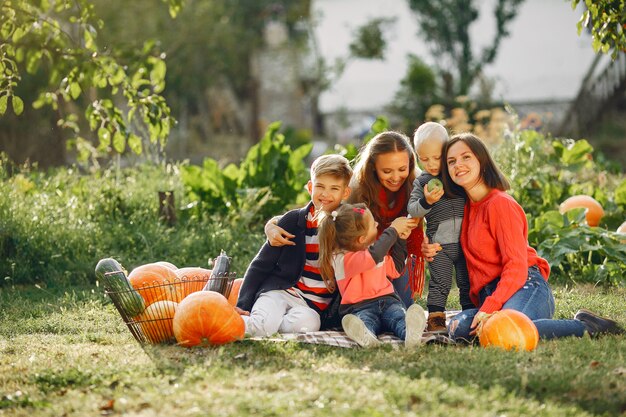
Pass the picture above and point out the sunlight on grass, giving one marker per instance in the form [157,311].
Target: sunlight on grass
[70,354]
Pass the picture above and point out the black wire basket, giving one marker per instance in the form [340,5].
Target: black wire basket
[152,323]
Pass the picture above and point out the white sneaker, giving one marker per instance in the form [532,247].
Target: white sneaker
[415,325]
[357,331]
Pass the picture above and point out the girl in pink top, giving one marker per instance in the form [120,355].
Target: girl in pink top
[361,266]
[504,271]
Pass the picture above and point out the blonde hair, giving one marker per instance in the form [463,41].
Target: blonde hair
[339,230]
[334,165]
[365,184]
[429,131]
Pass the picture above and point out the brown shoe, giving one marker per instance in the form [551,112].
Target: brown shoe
[437,322]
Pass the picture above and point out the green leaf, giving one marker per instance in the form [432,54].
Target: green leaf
[105,136]
[157,74]
[3,104]
[119,141]
[75,90]
[89,43]
[18,34]
[134,143]
[18,105]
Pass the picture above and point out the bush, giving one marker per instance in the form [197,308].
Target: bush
[56,225]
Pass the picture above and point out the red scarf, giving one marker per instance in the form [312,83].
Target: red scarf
[415,261]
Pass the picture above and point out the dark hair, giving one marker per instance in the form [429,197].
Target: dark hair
[491,174]
[337,231]
[365,183]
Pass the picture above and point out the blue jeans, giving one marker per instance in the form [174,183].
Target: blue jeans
[402,288]
[534,299]
[386,314]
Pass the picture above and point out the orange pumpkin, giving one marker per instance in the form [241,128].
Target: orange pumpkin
[167,264]
[191,279]
[205,318]
[593,209]
[156,321]
[233,296]
[154,282]
[509,329]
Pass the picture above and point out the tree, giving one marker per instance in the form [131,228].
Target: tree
[606,19]
[418,90]
[445,25]
[56,43]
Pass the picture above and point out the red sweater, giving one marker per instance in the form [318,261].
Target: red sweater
[494,237]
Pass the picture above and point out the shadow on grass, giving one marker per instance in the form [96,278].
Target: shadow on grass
[582,373]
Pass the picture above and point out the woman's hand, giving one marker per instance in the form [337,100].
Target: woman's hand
[276,235]
[429,250]
[404,225]
[479,321]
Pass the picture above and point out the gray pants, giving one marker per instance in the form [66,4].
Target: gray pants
[448,260]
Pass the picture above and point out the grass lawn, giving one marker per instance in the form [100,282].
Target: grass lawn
[68,353]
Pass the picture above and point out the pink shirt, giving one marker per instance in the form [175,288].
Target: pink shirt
[359,278]
[494,237]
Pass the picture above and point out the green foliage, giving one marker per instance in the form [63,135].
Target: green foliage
[368,42]
[418,90]
[543,173]
[270,178]
[55,226]
[57,41]
[606,20]
[446,26]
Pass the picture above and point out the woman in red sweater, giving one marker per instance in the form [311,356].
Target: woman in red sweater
[504,271]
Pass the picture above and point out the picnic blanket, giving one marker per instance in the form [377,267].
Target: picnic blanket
[339,338]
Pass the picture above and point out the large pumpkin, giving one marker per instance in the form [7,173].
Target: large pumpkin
[156,321]
[593,209]
[191,279]
[167,264]
[205,318]
[154,282]
[233,296]
[509,329]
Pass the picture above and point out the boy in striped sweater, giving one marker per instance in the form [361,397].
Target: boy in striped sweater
[283,290]
[444,216]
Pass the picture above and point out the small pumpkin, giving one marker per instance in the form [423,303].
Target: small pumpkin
[233,296]
[191,279]
[593,210]
[509,329]
[205,318]
[154,282]
[156,321]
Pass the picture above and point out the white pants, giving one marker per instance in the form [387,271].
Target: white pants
[282,312]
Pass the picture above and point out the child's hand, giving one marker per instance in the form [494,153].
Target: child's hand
[242,312]
[429,250]
[434,196]
[404,225]
[276,235]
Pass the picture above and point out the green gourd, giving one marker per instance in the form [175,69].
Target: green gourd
[113,277]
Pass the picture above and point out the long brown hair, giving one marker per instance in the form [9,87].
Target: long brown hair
[339,230]
[491,174]
[365,183]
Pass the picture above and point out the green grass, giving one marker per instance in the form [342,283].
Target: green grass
[68,353]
